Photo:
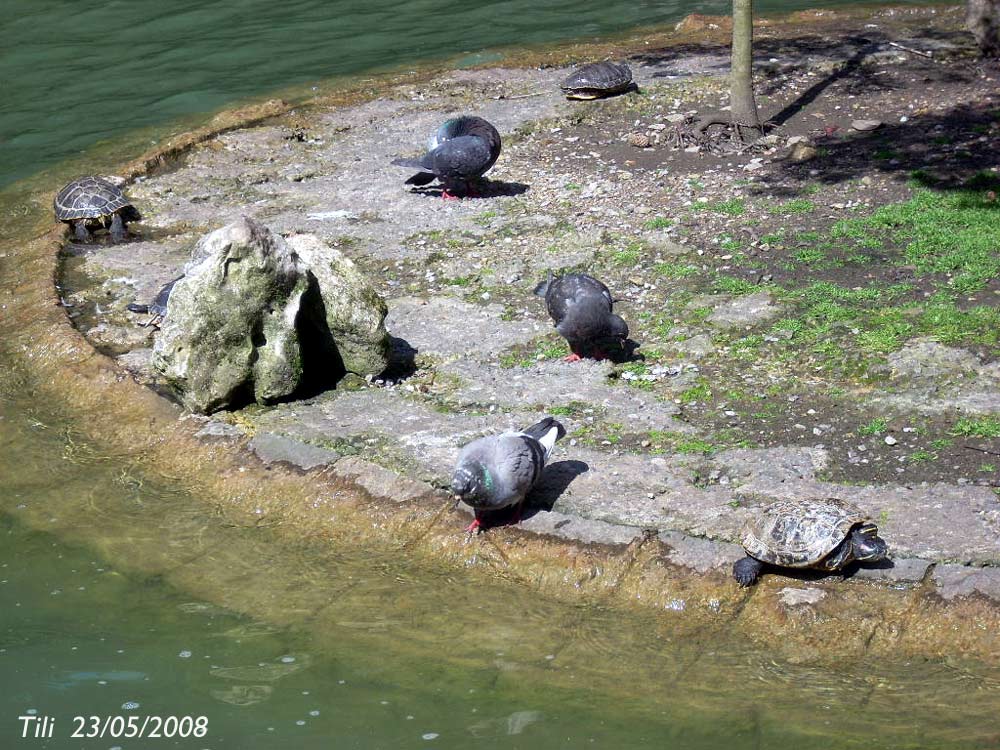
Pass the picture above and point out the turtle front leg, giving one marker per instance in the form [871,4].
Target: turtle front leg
[80,230]
[118,232]
[745,571]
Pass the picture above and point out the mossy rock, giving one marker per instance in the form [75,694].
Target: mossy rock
[353,311]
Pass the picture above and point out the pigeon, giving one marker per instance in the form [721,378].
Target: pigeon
[460,152]
[581,306]
[158,307]
[497,471]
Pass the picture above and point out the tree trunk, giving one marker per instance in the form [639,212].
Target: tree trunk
[746,121]
[982,18]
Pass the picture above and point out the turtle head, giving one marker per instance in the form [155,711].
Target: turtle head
[867,545]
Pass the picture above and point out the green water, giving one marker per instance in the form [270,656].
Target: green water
[75,74]
[122,596]
[117,589]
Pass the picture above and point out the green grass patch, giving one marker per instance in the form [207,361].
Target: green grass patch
[628,255]
[746,348]
[695,393]
[676,270]
[877,426]
[980,427]
[774,238]
[693,445]
[660,222]
[485,217]
[735,286]
[949,325]
[573,408]
[810,256]
[731,207]
[953,233]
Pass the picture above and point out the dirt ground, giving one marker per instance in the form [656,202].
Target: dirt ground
[818,314]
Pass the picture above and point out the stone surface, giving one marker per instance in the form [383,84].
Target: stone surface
[584,530]
[897,570]
[933,378]
[699,554]
[744,311]
[958,580]
[458,277]
[271,448]
[381,482]
[554,383]
[446,326]
[792,597]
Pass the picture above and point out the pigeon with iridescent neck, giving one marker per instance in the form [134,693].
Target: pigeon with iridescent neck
[581,307]
[497,471]
[459,153]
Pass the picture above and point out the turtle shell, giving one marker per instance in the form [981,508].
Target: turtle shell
[597,79]
[89,198]
[799,533]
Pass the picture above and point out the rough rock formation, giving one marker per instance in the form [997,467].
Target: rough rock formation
[250,322]
[353,312]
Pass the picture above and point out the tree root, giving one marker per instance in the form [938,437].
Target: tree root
[716,134]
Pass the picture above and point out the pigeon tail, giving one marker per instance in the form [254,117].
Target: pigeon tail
[418,163]
[141,309]
[546,432]
[421,178]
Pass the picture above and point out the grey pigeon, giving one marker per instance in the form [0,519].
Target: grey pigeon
[158,307]
[581,307]
[459,152]
[497,471]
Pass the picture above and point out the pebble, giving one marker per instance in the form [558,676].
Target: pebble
[890,440]
[866,125]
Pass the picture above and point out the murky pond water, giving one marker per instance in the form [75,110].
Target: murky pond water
[124,597]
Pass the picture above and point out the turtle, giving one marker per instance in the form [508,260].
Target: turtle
[822,534]
[94,202]
[594,80]
[158,307]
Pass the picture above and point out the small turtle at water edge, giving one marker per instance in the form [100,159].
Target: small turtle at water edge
[822,534]
[595,80]
[94,202]
[158,307]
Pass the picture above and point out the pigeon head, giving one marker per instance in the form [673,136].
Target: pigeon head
[591,321]
[617,328]
[472,483]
